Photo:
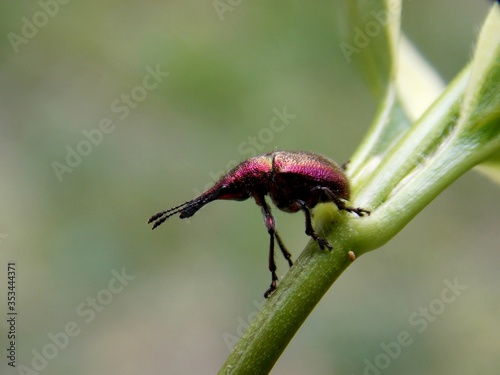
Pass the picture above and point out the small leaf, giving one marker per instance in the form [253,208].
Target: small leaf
[372,32]
[480,113]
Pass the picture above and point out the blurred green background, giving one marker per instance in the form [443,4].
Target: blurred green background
[196,282]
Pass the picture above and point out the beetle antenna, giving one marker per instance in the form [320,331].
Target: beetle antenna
[186,209]
[160,217]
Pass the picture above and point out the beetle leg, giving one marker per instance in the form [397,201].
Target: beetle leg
[285,252]
[309,229]
[272,268]
[340,203]
[271,229]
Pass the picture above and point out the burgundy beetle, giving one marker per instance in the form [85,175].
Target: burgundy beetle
[294,180]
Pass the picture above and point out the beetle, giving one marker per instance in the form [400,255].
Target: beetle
[294,180]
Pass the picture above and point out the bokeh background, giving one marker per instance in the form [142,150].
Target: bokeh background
[195,283]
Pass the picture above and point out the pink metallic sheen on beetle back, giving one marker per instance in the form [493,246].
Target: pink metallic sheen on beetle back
[314,169]
[285,176]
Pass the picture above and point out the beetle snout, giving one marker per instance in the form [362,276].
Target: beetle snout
[189,211]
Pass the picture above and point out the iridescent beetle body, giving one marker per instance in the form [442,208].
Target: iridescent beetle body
[294,180]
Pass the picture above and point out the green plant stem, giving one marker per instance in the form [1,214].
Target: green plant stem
[373,186]
[302,288]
